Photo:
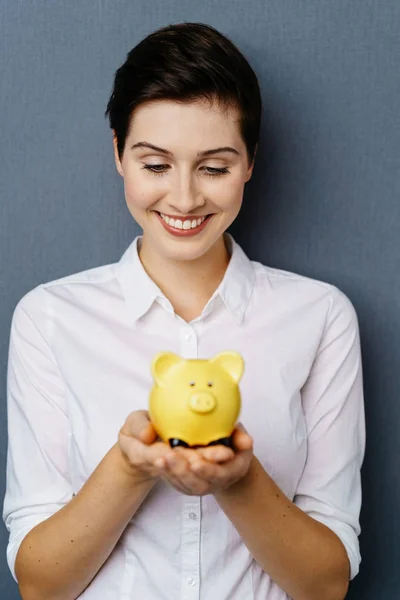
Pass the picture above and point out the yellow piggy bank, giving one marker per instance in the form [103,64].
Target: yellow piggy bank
[195,402]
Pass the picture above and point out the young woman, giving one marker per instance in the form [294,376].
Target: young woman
[96,506]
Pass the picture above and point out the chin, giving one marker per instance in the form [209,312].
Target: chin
[184,251]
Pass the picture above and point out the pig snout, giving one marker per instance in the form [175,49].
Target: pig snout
[202,402]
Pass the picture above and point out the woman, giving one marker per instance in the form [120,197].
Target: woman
[97,507]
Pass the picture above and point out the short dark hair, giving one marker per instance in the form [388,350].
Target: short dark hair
[186,62]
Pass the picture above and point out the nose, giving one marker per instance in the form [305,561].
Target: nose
[202,402]
[186,197]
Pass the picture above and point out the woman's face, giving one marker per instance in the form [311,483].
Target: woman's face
[184,167]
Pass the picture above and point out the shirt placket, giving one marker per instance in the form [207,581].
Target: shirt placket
[191,506]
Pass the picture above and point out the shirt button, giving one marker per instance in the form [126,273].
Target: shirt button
[191,581]
[192,516]
[188,337]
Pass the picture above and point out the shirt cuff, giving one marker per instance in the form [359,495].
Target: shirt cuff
[349,539]
[19,530]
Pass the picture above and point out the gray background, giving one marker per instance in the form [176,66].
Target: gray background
[324,199]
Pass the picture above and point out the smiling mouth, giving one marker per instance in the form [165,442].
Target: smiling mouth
[183,224]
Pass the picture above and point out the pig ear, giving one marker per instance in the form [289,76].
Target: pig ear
[230,361]
[161,364]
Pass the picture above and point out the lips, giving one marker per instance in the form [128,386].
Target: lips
[185,226]
[182,223]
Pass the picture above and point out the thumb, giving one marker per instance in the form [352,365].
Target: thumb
[241,439]
[138,425]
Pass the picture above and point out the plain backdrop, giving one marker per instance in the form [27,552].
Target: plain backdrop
[323,201]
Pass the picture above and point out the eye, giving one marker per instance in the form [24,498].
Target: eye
[192,383]
[210,384]
[162,169]
[156,169]
[213,171]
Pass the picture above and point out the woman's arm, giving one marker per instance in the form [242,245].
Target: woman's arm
[303,556]
[59,541]
[59,557]
[307,545]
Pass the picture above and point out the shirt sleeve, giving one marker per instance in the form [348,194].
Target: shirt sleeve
[37,480]
[329,489]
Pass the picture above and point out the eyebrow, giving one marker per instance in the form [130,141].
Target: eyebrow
[169,153]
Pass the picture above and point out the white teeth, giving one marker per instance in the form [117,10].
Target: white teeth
[179,224]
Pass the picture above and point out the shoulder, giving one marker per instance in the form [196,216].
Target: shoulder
[294,288]
[94,276]
[37,302]
[279,278]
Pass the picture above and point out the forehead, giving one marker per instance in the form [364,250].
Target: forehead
[198,123]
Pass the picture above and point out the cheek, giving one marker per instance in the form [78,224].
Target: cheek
[140,191]
[230,193]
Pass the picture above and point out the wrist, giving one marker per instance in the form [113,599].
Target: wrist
[239,487]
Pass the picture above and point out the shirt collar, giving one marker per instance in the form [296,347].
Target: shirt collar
[141,291]
[237,284]
[138,288]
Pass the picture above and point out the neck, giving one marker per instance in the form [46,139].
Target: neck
[188,285]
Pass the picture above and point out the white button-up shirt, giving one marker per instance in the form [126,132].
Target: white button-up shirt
[79,363]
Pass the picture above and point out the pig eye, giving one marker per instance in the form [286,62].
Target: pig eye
[192,383]
[210,384]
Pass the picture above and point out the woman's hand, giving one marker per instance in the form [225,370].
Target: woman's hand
[201,471]
[144,455]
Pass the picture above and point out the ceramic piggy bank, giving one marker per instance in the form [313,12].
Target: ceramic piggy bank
[195,402]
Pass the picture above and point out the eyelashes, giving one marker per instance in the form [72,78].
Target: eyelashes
[209,171]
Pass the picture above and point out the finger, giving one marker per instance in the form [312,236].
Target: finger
[217,453]
[241,439]
[211,453]
[241,427]
[178,469]
[213,471]
[204,476]
[138,425]
[140,454]
[224,475]
[148,434]
[178,484]
[135,422]
[209,471]
[239,468]
[176,463]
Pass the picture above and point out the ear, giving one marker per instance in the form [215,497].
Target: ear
[116,155]
[251,166]
[161,363]
[231,362]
